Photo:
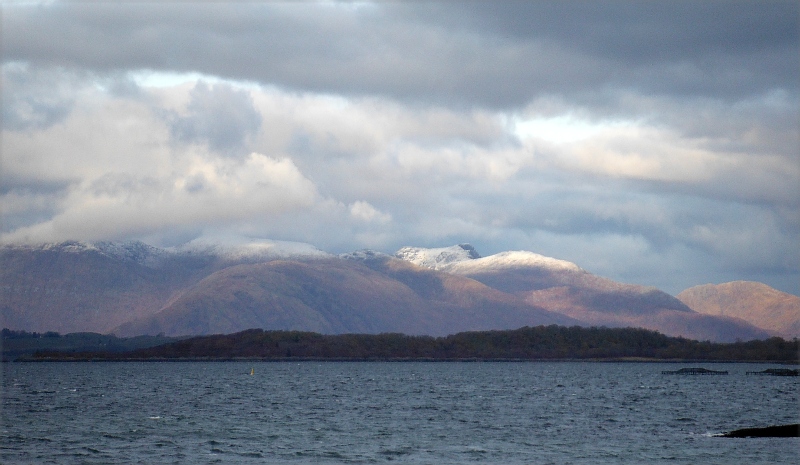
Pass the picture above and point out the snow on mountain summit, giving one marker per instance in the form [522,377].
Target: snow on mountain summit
[229,250]
[260,250]
[513,259]
[438,258]
[364,255]
[464,259]
[134,251]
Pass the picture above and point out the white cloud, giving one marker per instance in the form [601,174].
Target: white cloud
[209,192]
[363,211]
[564,128]
[576,133]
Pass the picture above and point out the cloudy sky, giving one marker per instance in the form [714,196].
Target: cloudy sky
[650,142]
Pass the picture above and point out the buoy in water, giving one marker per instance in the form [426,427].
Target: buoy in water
[252,371]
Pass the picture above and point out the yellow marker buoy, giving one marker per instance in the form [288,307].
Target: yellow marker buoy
[252,371]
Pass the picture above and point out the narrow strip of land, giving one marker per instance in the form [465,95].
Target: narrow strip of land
[538,343]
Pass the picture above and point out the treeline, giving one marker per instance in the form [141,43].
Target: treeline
[18,345]
[539,343]
[13,334]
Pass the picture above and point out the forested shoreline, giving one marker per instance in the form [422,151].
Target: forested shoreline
[22,345]
[528,343]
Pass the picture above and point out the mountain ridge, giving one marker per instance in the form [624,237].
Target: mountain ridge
[211,288]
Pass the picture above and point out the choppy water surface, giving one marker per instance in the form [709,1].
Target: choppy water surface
[500,413]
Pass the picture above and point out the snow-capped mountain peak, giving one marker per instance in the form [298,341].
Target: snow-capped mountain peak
[65,247]
[513,259]
[437,258]
[134,251]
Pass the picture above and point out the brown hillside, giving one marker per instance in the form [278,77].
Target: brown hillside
[599,301]
[69,288]
[340,296]
[757,303]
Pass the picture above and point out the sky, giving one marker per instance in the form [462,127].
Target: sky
[654,143]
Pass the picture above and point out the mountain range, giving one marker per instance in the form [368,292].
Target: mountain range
[133,289]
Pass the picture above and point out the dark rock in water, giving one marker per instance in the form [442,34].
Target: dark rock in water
[780,431]
[694,371]
[776,372]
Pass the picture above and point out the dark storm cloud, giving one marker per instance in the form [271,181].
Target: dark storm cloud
[637,32]
[709,47]
[496,54]
[218,115]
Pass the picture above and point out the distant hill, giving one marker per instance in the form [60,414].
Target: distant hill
[132,289]
[563,287]
[754,302]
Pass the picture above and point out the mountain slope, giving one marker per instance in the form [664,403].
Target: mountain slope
[563,287]
[754,302]
[340,296]
[77,286]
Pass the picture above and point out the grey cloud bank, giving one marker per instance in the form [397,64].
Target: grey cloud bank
[654,143]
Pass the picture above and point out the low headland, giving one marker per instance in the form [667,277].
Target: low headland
[527,343]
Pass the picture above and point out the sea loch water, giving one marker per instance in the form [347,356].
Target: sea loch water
[437,413]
